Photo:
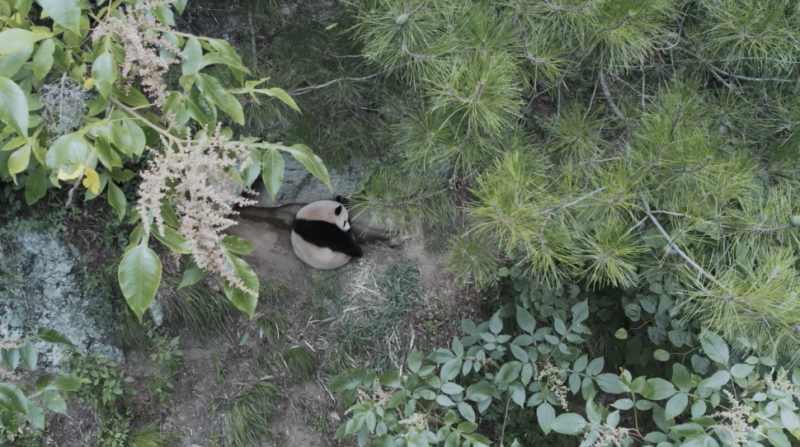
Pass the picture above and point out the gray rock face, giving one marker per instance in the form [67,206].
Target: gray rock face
[299,186]
[45,284]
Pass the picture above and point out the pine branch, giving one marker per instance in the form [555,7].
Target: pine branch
[602,78]
[732,75]
[304,90]
[677,249]
[568,204]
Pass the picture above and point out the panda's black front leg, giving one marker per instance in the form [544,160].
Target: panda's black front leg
[351,247]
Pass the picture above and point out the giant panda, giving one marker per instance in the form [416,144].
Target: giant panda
[321,235]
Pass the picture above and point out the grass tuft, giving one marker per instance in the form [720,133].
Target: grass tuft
[270,326]
[201,311]
[248,414]
[301,362]
[150,436]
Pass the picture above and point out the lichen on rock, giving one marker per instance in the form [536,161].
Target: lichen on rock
[44,284]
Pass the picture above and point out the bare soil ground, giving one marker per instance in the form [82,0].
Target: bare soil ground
[308,413]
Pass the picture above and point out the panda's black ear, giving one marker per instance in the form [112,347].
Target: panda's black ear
[338,210]
[341,200]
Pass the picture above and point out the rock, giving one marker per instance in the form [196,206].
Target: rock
[45,284]
[299,186]
[368,227]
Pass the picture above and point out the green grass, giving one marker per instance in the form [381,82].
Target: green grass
[270,326]
[301,362]
[248,414]
[150,436]
[219,370]
[201,311]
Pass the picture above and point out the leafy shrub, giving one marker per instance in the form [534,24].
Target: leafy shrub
[164,367]
[103,387]
[727,400]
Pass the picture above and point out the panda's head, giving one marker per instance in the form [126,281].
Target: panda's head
[327,210]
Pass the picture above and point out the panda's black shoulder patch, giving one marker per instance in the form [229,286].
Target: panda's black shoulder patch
[327,235]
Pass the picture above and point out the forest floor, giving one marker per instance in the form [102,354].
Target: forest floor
[368,313]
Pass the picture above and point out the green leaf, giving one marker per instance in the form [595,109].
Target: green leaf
[29,355]
[192,275]
[12,399]
[36,185]
[172,239]
[43,59]
[698,409]
[66,13]
[24,7]
[414,360]
[106,154]
[777,438]
[675,405]
[715,347]
[623,404]
[621,334]
[658,389]
[719,379]
[132,97]
[241,299]
[284,97]
[238,245]
[66,382]
[311,161]
[13,104]
[595,366]
[479,392]
[272,169]
[11,63]
[213,91]
[139,278]
[739,371]
[681,377]
[35,415]
[568,424]
[444,401]
[253,170]
[661,355]
[508,372]
[466,411]
[11,358]
[104,72]
[54,402]
[580,312]
[180,5]
[18,162]
[525,320]
[450,369]
[52,336]
[193,53]
[68,153]
[13,40]
[609,383]
[201,110]
[117,200]
[559,326]
[545,415]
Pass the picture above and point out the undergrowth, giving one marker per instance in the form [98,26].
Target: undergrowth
[201,311]
[248,414]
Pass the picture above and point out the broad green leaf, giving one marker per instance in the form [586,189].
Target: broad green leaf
[29,356]
[132,97]
[12,399]
[52,336]
[450,369]
[715,347]
[192,275]
[35,415]
[525,320]
[54,402]
[24,7]
[621,334]
[466,411]
[13,40]
[117,200]
[777,438]
[11,63]
[69,152]
[623,404]
[66,13]
[104,72]
[661,355]
[508,372]
[719,379]
[66,382]
[43,59]
[741,370]
[580,312]
[11,358]
[444,401]
[241,299]
[609,383]
[311,161]
[545,415]
[283,96]
[568,424]
[106,154]
[172,239]
[414,360]
[201,110]
[698,409]
[253,170]
[18,161]
[479,392]
[675,405]
[139,278]
[213,91]
[36,185]
[681,377]
[13,104]
[272,170]
[658,389]
[180,5]
[595,366]
[238,245]
[193,53]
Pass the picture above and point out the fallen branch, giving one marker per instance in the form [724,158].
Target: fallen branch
[602,78]
[72,191]
[567,204]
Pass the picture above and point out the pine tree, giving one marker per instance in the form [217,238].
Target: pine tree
[613,142]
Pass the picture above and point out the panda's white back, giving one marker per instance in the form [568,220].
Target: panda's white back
[317,257]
